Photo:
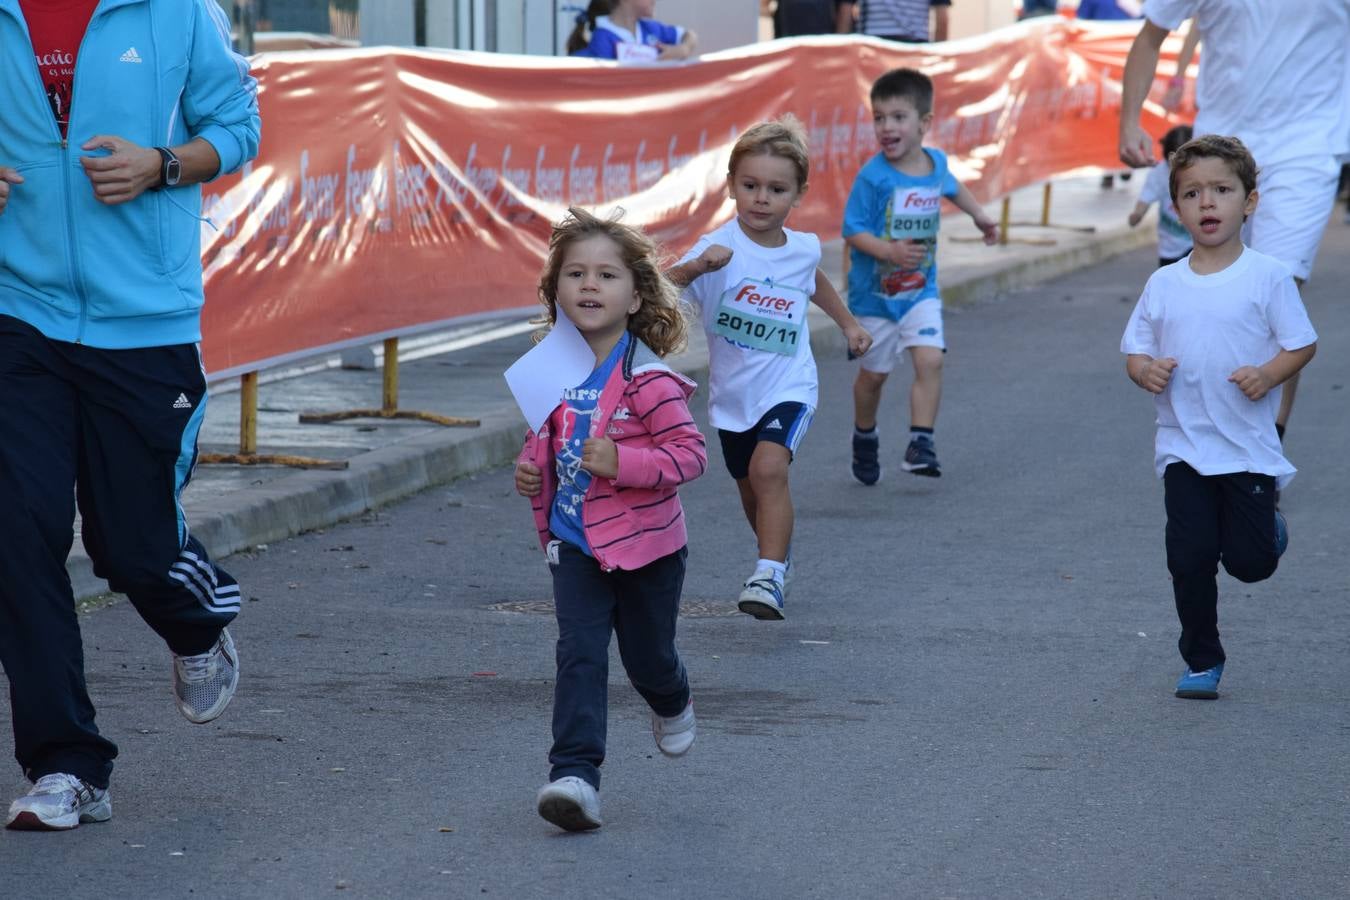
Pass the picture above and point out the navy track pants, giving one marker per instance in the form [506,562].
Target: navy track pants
[116,432]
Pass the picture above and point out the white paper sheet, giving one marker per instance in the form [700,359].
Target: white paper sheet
[560,361]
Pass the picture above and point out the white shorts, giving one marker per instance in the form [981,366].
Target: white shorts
[1295,202]
[920,327]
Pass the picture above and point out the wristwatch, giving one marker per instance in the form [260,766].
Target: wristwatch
[170,169]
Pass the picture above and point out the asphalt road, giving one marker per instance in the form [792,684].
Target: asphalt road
[971,696]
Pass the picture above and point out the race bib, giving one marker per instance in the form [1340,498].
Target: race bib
[913,216]
[762,315]
[629,52]
[914,213]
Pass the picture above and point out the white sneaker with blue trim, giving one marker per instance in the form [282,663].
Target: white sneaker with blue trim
[762,596]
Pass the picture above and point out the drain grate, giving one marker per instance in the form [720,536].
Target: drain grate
[689,609]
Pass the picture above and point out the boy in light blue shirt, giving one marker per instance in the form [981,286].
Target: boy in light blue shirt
[891,225]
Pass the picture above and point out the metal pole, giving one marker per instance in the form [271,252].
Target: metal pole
[391,374]
[1045,205]
[1003,221]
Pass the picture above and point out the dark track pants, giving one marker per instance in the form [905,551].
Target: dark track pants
[1213,519]
[641,608]
[115,431]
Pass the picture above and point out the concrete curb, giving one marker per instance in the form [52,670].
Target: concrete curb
[306,500]
[1023,273]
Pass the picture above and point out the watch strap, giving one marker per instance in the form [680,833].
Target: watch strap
[168,161]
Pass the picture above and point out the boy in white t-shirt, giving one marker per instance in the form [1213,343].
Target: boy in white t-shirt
[752,280]
[1276,75]
[1214,336]
[1174,241]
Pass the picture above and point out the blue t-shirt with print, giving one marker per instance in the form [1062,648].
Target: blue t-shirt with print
[578,406]
[605,41]
[889,204]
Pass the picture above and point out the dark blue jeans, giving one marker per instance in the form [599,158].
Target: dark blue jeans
[1213,519]
[641,608]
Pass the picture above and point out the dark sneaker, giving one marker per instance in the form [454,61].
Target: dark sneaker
[921,458]
[570,803]
[1200,685]
[866,465]
[203,685]
[1281,534]
[59,802]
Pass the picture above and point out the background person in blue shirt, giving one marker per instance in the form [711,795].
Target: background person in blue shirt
[891,225]
[625,31]
[1106,10]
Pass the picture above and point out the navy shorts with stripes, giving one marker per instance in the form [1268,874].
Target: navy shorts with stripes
[784,424]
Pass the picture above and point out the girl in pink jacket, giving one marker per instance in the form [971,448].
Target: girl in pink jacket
[601,475]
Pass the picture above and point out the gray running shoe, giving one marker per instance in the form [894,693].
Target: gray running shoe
[203,685]
[59,802]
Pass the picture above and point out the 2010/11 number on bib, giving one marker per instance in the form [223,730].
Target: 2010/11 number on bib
[760,330]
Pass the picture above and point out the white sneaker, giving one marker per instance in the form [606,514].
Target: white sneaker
[762,596]
[570,803]
[203,685]
[59,802]
[675,735]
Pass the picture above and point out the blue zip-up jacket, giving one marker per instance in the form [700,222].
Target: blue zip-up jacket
[157,73]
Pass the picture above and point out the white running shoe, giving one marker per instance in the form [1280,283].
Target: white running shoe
[675,735]
[59,802]
[570,803]
[762,596]
[203,685]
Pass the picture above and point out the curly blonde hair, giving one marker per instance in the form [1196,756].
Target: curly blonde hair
[660,321]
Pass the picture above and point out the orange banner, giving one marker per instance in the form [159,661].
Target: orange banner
[399,190]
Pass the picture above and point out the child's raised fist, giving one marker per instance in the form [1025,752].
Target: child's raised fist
[714,258]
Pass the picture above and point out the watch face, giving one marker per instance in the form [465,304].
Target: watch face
[173,170]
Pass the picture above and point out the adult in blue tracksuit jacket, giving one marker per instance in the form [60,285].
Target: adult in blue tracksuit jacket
[102,391]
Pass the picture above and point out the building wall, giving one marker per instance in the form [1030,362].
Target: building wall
[971,17]
[720,25]
[538,27]
[387,22]
[293,15]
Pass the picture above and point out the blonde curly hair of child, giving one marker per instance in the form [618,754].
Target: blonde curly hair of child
[660,321]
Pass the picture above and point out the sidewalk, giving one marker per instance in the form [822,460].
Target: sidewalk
[230,508]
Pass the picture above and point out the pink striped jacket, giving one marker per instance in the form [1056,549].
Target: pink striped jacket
[635,518]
